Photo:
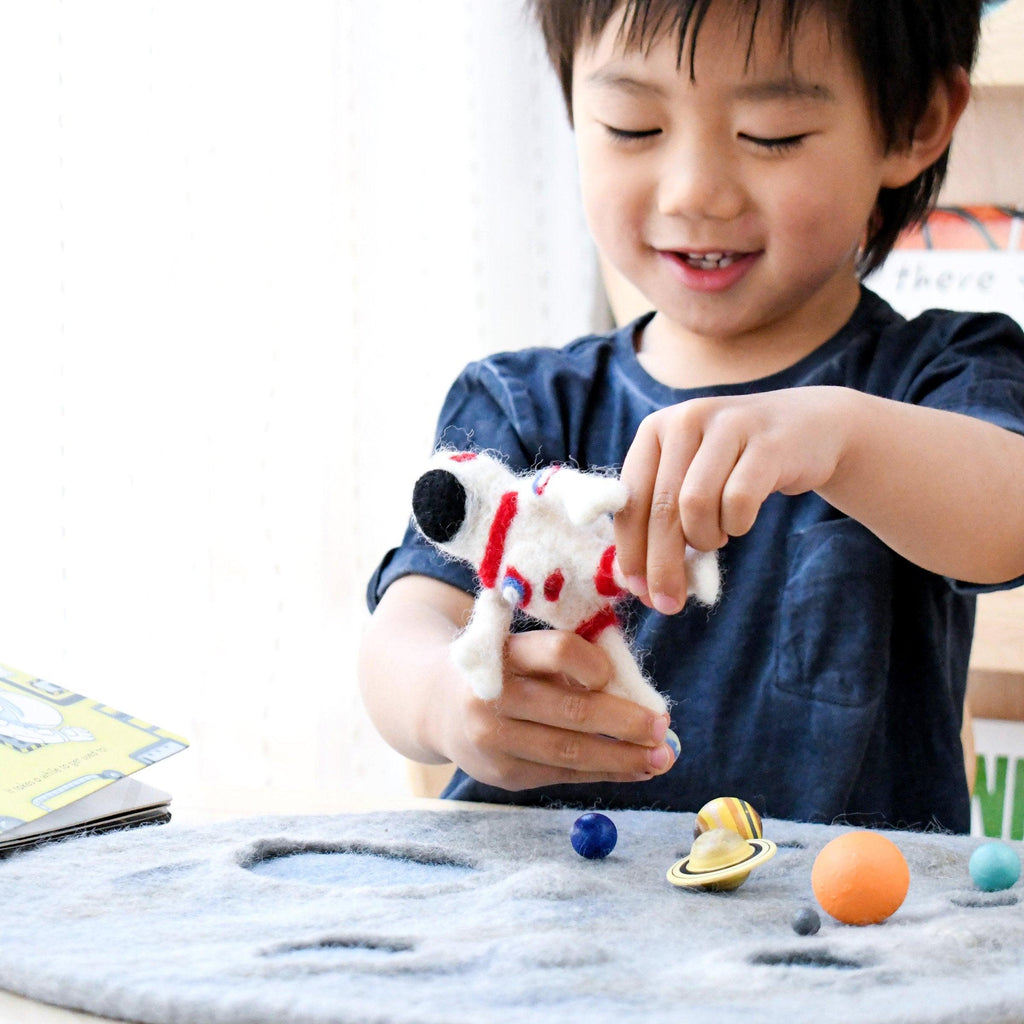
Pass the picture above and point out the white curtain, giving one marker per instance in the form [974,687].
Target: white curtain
[245,248]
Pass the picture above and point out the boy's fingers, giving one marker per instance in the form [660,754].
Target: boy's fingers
[529,775]
[701,494]
[574,709]
[512,745]
[577,757]
[555,653]
[556,678]
[749,484]
[640,471]
[631,541]
[666,540]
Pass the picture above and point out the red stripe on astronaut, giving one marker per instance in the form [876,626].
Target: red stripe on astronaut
[604,578]
[553,585]
[597,624]
[495,550]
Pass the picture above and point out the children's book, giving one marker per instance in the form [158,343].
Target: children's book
[66,762]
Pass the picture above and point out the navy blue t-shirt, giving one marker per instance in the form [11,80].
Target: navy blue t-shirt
[828,682]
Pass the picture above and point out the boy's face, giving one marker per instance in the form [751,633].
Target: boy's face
[735,202]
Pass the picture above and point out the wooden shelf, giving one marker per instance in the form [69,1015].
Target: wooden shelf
[998,695]
[987,162]
[1001,56]
[999,633]
[996,685]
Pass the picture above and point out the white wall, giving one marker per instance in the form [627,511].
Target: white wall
[245,247]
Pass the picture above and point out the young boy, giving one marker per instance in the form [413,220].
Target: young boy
[742,164]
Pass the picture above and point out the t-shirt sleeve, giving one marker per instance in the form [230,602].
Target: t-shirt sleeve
[977,370]
[482,412]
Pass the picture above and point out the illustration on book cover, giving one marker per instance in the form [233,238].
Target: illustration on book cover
[57,746]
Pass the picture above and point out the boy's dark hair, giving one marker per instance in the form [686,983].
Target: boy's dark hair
[901,47]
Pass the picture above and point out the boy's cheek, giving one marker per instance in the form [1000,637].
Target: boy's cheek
[616,227]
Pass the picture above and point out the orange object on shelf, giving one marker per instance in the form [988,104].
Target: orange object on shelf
[969,228]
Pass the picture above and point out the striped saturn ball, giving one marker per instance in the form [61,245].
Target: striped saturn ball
[720,860]
[729,812]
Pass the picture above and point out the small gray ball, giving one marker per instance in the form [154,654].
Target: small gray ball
[806,921]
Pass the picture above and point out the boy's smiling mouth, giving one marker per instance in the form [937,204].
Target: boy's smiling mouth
[709,269]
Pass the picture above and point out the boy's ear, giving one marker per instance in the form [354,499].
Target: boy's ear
[933,132]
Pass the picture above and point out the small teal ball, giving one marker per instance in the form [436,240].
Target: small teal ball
[994,866]
[594,835]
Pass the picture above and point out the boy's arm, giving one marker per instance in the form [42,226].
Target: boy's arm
[552,724]
[944,490]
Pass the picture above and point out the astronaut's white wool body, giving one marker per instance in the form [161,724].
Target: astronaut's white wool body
[543,542]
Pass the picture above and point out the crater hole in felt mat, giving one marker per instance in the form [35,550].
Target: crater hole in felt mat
[348,947]
[355,865]
[803,958]
[974,900]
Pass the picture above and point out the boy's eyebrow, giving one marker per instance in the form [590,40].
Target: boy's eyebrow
[785,89]
[610,78]
[789,87]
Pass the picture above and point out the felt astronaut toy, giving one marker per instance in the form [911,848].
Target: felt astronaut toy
[543,542]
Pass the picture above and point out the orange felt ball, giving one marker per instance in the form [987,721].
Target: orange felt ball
[860,878]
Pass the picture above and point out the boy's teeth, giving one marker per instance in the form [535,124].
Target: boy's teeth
[709,260]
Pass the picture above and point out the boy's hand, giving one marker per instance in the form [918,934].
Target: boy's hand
[698,473]
[552,724]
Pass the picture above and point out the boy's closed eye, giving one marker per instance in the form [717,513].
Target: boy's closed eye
[631,134]
[777,144]
[774,144]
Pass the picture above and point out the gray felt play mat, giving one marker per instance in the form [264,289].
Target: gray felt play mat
[486,915]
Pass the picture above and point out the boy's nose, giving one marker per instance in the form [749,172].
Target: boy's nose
[696,182]
[439,505]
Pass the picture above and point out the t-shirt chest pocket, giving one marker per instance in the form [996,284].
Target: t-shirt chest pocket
[835,622]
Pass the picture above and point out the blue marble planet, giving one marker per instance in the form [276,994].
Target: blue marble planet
[594,835]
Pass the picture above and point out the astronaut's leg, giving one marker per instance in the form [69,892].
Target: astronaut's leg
[627,679]
[479,650]
[702,575]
